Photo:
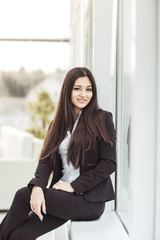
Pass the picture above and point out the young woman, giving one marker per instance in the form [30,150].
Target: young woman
[80,152]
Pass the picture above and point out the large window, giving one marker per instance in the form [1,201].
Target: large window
[34,52]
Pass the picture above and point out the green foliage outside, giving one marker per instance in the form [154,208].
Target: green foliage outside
[41,111]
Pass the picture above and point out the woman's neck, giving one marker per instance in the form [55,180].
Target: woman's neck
[76,114]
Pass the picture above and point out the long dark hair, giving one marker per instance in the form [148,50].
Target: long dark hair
[90,127]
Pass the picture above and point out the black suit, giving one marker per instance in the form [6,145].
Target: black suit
[94,180]
[92,188]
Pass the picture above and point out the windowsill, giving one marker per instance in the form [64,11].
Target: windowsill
[107,227]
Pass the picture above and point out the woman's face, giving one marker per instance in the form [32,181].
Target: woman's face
[81,93]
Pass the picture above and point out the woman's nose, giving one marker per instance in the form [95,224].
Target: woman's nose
[83,93]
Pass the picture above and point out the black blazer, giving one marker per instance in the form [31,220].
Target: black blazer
[94,181]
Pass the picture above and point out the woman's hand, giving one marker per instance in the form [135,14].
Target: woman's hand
[64,186]
[37,201]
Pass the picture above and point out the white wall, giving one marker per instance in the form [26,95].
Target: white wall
[143,123]
[157,200]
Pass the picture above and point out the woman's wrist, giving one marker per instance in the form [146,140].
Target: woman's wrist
[37,188]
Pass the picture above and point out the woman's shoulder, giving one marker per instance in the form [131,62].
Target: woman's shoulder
[107,114]
[108,118]
[106,121]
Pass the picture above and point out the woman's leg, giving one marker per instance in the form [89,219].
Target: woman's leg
[71,206]
[61,206]
[20,223]
[17,213]
[32,228]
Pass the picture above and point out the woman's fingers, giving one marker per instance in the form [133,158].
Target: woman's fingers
[38,212]
[64,186]
[57,185]
[36,207]
[44,206]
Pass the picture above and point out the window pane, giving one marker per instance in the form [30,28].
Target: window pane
[25,66]
[34,19]
[33,55]
[123,112]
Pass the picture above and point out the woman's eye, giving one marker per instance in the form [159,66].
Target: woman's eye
[78,89]
[89,89]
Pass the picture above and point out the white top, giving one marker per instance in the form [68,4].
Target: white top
[69,173]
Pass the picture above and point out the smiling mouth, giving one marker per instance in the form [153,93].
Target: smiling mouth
[82,100]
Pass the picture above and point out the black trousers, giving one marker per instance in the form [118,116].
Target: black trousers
[22,224]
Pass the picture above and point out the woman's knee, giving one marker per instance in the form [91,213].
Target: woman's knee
[23,193]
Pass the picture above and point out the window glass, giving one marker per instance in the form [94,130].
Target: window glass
[34,19]
[33,55]
[25,66]
[123,112]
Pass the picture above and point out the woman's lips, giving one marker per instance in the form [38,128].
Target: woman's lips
[81,100]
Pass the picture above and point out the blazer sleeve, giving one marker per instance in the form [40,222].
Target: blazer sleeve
[42,174]
[106,165]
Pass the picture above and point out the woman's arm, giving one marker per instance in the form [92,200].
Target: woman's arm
[37,202]
[42,174]
[38,184]
[106,165]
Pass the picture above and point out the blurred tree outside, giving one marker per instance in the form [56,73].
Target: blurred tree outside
[18,84]
[41,110]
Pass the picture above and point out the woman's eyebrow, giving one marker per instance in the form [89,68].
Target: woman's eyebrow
[81,86]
